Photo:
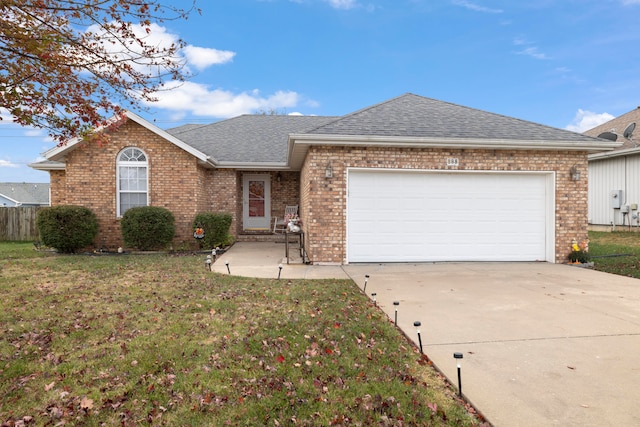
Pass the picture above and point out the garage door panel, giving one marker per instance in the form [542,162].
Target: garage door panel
[412,216]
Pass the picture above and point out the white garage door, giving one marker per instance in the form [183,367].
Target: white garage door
[400,216]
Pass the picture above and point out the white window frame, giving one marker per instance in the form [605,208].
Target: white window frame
[123,162]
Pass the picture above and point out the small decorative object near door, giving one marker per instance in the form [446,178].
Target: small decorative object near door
[293,222]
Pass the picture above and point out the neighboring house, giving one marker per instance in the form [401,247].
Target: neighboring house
[407,180]
[23,194]
[614,176]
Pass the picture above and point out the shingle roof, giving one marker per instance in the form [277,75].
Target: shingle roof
[26,193]
[411,115]
[247,138]
[617,126]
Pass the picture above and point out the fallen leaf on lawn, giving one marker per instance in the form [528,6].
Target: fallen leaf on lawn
[49,386]
[86,403]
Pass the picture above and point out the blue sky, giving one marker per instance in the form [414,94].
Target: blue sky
[563,63]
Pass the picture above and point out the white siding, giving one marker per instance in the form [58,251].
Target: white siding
[619,173]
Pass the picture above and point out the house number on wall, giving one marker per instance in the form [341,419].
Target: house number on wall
[452,161]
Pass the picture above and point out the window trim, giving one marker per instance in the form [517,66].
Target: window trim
[138,164]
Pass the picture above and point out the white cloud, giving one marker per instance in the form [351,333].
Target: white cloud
[475,7]
[200,100]
[531,51]
[158,36]
[585,120]
[203,57]
[5,116]
[7,164]
[342,4]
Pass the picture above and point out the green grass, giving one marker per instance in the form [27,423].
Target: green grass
[155,339]
[606,250]
[20,250]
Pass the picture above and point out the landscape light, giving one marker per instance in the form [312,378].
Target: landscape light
[458,356]
[396,303]
[417,325]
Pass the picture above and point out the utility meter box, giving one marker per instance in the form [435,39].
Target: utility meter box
[616,199]
[624,209]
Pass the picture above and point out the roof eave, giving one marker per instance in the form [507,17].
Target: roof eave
[253,165]
[52,166]
[298,144]
[17,202]
[615,153]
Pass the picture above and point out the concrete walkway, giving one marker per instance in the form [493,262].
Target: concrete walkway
[543,344]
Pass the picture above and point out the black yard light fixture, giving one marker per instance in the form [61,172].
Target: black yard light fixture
[417,325]
[366,279]
[228,269]
[458,356]
[373,294]
[396,303]
[279,270]
[207,262]
[214,254]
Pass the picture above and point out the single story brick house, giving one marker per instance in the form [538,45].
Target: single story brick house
[614,176]
[410,179]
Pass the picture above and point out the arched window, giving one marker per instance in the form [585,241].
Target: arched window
[132,176]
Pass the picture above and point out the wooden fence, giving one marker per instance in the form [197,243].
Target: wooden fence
[19,223]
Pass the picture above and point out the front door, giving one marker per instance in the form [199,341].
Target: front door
[256,202]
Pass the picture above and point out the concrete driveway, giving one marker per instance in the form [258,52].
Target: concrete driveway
[543,344]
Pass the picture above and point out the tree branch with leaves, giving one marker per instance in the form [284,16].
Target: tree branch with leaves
[67,65]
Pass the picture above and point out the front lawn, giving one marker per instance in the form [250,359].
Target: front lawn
[616,252]
[155,339]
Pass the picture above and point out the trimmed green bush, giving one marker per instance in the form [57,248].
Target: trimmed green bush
[147,228]
[216,229]
[67,228]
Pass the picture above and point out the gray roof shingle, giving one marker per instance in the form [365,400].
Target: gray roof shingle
[247,138]
[617,126]
[411,115]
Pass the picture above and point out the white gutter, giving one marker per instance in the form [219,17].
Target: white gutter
[50,166]
[253,166]
[617,153]
[11,199]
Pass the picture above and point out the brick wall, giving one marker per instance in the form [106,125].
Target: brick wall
[176,182]
[223,188]
[285,192]
[324,200]
[57,188]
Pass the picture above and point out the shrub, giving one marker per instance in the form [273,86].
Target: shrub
[216,229]
[67,228]
[147,227]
